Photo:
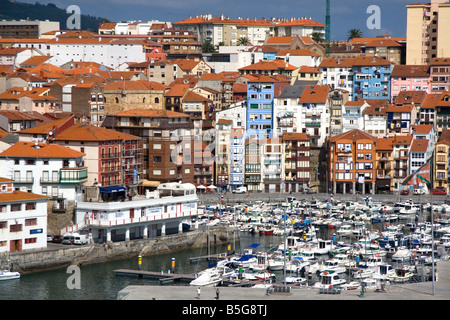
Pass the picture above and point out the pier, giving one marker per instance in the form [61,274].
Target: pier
[162,277]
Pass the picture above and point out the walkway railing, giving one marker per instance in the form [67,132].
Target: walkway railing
[120,222]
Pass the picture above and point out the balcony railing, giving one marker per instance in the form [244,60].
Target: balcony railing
[73,175]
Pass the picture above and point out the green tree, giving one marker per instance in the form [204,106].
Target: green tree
[243,41]
[208,47]
[317,37]
[354,33]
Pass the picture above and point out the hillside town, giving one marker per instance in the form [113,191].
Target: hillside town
[219,104]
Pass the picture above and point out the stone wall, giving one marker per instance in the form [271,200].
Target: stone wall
[48,259]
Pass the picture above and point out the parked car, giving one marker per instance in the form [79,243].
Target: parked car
[439,191]
[404,192]
[418,191]
[57,239]
[240,190]
[49,238]
[309,191]
[68,239]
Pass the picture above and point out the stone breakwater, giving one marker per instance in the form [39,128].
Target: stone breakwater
[50,259]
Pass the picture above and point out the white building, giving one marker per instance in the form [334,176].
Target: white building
[47,169]
[287,111]
[352,115]
[237,113]
[23,221]
[106,51]
[299,57]
[158,213]
[338,73]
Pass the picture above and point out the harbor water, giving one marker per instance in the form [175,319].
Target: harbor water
[98,281]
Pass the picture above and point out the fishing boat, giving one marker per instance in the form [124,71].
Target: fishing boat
[363,273]
[383,271]
[9,275]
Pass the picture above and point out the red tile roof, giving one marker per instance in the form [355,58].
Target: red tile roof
[80,132]
[40,150]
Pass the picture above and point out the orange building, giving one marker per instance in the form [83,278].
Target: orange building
[352,162]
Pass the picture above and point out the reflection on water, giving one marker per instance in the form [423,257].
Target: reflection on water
[98,281]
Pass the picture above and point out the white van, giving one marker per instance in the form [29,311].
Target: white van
[80,239]
[240,190]
[419,191]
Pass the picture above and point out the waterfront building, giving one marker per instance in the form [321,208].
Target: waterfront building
[167,137]
[253,171]
[113,158]
[338,97]
[222,152]
[272,163]
[371,78]
[23,221]
[384,162]
[158,213]
[427,31]
[237,140]
[441,103]
[409,78]
[352,162]
[48,169]
[441,164]
[296,150]
[401,148]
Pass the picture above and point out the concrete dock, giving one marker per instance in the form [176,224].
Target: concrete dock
[409,291]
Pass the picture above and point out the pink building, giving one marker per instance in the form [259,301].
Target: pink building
[409,78]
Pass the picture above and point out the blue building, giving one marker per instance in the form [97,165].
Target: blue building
[260,100]
[371,78]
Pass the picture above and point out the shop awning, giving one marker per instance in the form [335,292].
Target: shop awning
[150,183]
[112,189]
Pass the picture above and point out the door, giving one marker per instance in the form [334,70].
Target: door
[15,245]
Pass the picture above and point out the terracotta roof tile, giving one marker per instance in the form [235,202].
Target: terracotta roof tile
[20,196]
[384,144]
[41,150]
[419,145]
[151,113]
[315,94]
[353,135]
[79,132]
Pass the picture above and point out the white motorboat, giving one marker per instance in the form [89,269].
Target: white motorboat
[401,275]
[206,279]
[363,273]
[345,230]
[328,280]
[295,280]
[383,271]
[332,265]
[9,275]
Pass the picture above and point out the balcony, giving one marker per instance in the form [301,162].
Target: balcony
[28,180]
[73,175]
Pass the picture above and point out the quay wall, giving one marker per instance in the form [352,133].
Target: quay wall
[49,259]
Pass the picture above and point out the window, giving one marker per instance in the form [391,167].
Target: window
[157,172]
[157,146]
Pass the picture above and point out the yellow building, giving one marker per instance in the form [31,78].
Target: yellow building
[427,31]
[441,155]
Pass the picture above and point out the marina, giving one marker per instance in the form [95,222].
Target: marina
[306,242]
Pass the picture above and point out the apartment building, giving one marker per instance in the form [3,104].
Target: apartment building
[167,143]
[409,78]
[28,99]
[296,151]
[272,161]
[352,162]
[338,73]
[237,149]
[401,149]
[372,78]
[440,161]
[261,92]
[302,27]
[26,29]
[222,152]
[253,168]
[48,169]
[375,117]
[385,165]
[401,118]
[24,219]
[427,31]
[440,74]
